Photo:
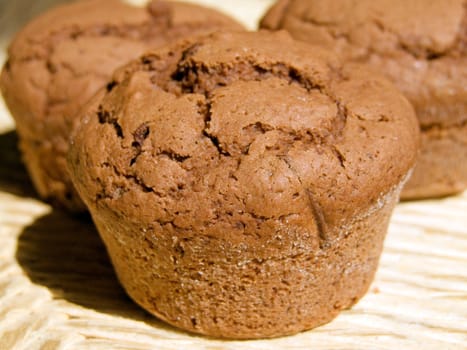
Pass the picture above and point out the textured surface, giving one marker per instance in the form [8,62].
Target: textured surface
[61,58]
[422,47]
[57,291]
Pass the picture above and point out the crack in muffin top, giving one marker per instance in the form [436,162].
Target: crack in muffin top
[85,42]
[243,134]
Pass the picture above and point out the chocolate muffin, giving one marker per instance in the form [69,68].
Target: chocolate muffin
[243,190]
[422,47]
[60,59]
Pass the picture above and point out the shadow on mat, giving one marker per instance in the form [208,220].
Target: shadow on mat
[14,178]
[66,255]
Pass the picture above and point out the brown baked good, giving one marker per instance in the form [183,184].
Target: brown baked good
[422,47]
[60,59]
[243,190]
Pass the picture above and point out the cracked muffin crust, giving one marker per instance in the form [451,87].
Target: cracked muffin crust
[60,59]
[422,47]
[243,190]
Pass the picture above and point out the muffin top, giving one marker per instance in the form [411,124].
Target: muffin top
[61,58]
[420,45]
[243,135]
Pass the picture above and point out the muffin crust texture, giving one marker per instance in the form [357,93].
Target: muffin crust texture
[61,58]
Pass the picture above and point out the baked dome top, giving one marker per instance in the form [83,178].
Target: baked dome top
[243,134]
